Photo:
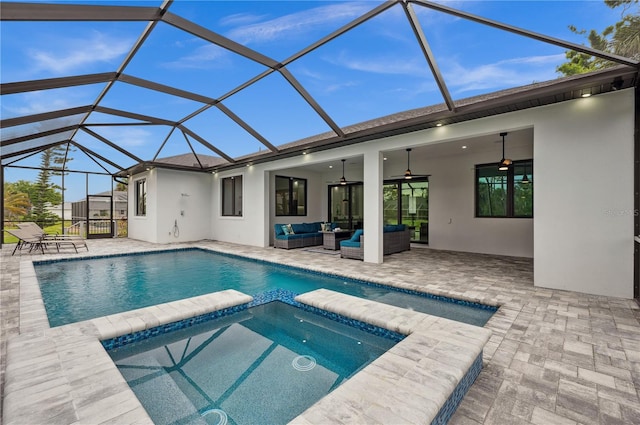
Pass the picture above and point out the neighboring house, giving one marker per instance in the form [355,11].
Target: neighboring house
[58,210]
[99,206]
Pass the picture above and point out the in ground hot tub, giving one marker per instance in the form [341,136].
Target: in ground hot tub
[266,364]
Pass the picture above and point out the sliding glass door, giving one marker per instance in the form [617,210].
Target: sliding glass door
[407,202]
[346,205]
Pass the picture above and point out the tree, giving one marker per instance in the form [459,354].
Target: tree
[390,203]
[47,193]
[22,186]
[121,187]
[16,203]
[622,38]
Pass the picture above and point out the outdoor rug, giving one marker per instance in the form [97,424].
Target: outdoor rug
[321,250]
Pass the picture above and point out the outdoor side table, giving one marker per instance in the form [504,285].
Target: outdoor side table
[331,240]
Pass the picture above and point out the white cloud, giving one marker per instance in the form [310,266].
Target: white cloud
[311,74]
[127,136]
[330,88]
[324,82]
[387,65]
[501,74]
[203,57]
[71,54]
[459,78]
[390,65]
[537,60]
[328,82]
[36,102]
[241,19]
[297,23]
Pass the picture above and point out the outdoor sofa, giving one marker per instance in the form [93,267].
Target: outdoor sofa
[395,238]
[303,234]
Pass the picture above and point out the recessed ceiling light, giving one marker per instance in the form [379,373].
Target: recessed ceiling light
[464,147]
[304,152]
[330,166]
[586,94]
[439,124]
[384,159]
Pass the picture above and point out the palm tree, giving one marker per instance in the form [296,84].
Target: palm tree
[16,204]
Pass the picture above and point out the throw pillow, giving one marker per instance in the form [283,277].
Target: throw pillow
[286,229]
[290,227]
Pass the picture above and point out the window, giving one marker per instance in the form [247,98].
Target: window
[141,197]
[291,196]
[232,196]
[505,193]
[346,205]
[407,202]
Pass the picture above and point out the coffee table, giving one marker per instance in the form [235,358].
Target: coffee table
[331,240]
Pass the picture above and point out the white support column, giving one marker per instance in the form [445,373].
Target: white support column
[266,208]
[373,208]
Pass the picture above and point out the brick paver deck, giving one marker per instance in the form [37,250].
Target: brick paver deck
[554,357]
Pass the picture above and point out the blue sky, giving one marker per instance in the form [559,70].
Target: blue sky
[374,70]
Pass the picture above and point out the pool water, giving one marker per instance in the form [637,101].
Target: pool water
[77,290]
[265,365]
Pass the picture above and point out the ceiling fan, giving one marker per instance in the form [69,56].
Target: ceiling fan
[343,181]
[408,175]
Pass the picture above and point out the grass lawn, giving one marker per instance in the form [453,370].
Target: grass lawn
[53,229]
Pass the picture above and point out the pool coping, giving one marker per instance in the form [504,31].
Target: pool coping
[410,383]
[63,374]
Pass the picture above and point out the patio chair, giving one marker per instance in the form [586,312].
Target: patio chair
[354,247]
[25,239]
[39,231]
[75,240]
[37,239]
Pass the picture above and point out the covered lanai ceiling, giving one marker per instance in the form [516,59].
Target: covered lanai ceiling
[209,85]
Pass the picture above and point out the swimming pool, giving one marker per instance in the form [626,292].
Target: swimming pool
[82,289]
[266,364]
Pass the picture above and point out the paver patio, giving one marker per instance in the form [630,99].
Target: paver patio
[553,357]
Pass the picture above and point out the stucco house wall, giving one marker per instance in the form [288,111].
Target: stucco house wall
[581,236]
[178,207]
